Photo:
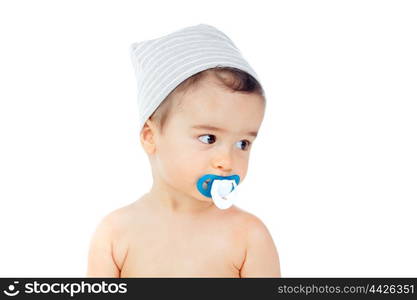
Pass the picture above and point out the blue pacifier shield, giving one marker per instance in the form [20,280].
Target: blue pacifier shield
[206,189]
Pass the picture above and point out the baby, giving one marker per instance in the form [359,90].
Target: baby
[201,107]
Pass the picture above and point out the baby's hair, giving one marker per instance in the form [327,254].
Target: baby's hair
[232,79]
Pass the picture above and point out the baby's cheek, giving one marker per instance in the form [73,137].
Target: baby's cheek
[241,170]
[181,167]
[193,168]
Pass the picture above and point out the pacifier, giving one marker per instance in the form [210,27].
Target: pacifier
[222,189]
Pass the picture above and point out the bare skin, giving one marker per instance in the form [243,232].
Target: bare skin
[173,230]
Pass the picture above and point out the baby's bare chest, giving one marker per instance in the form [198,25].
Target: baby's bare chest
[182,250]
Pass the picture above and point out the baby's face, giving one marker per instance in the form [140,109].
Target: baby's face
[211,132]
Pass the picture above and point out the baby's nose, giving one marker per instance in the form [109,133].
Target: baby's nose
[222,158]
[223,163]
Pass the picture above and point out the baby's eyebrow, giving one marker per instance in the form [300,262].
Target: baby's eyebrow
[213,128]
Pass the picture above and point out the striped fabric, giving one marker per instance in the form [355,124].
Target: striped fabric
[161,64]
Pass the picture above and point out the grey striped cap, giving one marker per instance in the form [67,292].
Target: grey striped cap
[161,64]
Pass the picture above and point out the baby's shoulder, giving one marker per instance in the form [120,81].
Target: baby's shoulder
[117,225]
[246,224]
[120,218]
[243,216]
[244,220]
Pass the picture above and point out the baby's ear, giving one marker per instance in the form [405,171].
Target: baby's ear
[147,137]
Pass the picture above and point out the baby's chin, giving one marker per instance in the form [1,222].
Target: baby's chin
[202,198]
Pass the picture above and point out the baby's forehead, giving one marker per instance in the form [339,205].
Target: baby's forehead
[222,113]
[212,103]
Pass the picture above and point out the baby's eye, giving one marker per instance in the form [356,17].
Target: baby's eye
[207,138]
[245,144]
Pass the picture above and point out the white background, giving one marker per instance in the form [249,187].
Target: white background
[333,173]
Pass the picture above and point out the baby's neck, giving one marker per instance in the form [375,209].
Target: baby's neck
[177,204]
